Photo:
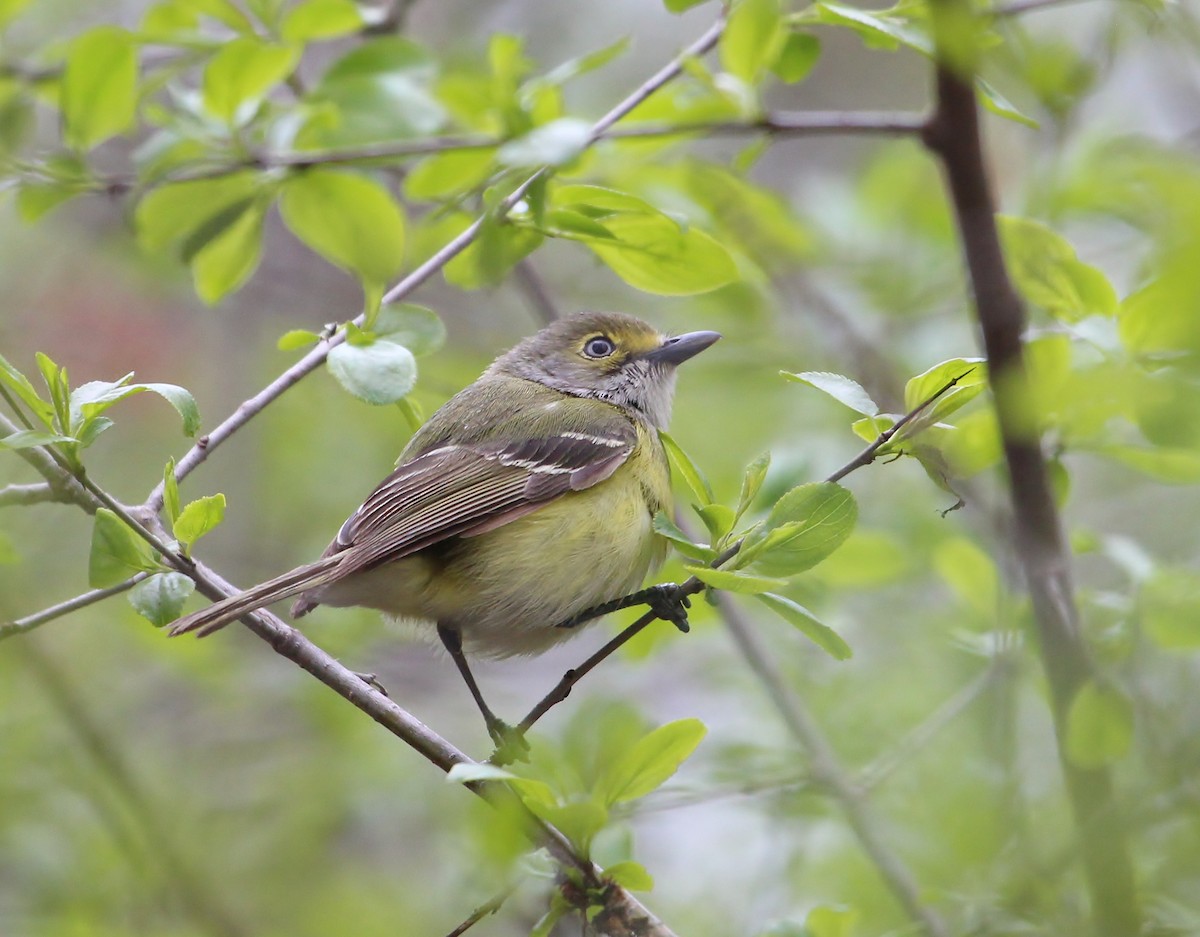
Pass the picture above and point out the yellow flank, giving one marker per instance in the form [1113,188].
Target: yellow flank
[591,546]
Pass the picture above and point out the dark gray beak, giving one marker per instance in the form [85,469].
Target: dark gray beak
[678,349]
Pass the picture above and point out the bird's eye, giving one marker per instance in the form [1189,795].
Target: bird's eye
[599,347]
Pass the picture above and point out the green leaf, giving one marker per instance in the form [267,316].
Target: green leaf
[820,634]
[752,481]
[1047,271]
[1173,466]
[1099,726]
[10,9]
[99,86]
[718,518]
[1169,605]
[380,372]
[650,762]
[999,105]
[839,387]
[733,581]
[447,174]
[183,402]
[171,214]
[321,19]
[241,74]
[827,921]
[117,552]
[797,57]
[683,464]
[377,92]
[470,772]
[417,328]
[972,378]
[970,573]
[229,258]
[679,6]
[159,598]
[631,875]
[297,338]
[348,219]
[806,525]
[29,438]
[878,29]
[171,503]
[589,62]
[562,222]
[554,144]
[19,384]
[665,527]
[579,821]
[198,518]
[753,38]
[650,252]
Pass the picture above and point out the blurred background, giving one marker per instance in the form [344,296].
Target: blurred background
[178,788]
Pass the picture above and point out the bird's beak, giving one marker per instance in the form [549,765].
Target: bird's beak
[678,349]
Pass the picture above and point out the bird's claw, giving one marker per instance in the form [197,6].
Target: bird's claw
[670,604]
[509,741]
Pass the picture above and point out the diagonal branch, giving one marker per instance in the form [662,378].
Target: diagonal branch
[29,622]
[954,137]
[692,585]
[311,361]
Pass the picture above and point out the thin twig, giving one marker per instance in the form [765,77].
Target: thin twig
[484,910]
[867,456]
[66,489]
[36,493]
[693,585]
[29,622]
[887,763]
[311,361]
[827,772]
[781,124]
[1018,7]
[955,138]
[534,290]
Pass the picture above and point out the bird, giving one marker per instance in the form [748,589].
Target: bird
[524,506]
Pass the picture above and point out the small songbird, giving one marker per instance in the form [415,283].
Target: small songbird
[524,502]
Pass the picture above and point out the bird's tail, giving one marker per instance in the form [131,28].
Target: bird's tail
[220,614]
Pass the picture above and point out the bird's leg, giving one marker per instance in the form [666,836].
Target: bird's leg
[666,601]
[510,744]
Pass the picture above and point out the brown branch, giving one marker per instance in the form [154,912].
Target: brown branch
[954,136]
[693,585]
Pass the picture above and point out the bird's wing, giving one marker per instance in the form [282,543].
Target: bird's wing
[467,489]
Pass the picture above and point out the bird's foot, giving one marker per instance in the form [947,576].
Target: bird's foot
[670,604]
[509,741]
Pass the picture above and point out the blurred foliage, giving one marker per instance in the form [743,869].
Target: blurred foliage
[297,159]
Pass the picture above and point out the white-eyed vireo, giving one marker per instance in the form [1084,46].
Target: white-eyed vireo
[524,501]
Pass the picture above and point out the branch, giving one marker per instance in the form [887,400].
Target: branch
[692,585]
[534,290]
[484,910]
[781,124]
[953,135]
[29,622]
[36,493]
[311,361]
[827,772]
[65,488]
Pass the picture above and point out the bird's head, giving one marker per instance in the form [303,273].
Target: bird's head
[609,356]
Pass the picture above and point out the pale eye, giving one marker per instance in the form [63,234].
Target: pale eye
[599,347]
